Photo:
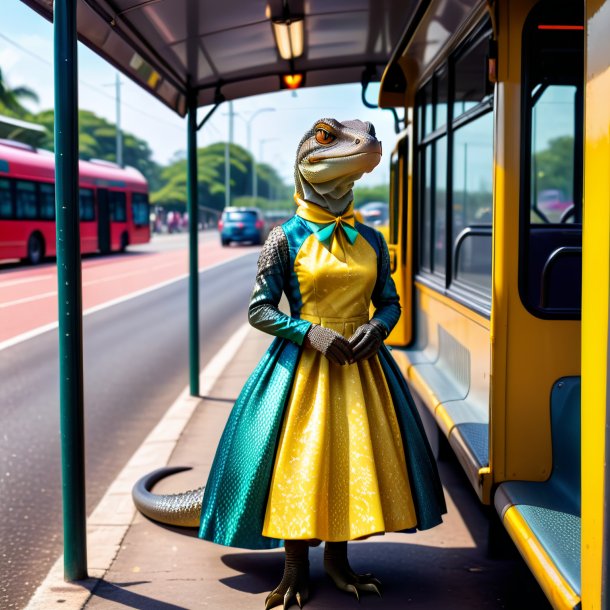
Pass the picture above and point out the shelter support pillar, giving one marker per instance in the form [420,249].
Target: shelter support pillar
[69,291]
[193,212]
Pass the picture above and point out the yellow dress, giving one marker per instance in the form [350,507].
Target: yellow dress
[340,471]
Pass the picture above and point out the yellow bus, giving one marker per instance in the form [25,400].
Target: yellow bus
[504,149]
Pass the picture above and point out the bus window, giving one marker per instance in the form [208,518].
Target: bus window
[440,207]
[442,92]
[552,154]
[470,76]
[472,202]
[426,110]
[118,206]
[455,207]
[550,255]
[139,208]
[6,199]
[47,201]
[26,204]
[87,207]
[426,210]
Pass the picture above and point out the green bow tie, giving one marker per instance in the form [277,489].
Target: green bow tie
[330,223]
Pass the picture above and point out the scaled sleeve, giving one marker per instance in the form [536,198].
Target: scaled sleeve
[273,270]
[385,298]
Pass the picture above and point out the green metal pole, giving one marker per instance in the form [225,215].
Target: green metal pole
[193,211]
[69,291]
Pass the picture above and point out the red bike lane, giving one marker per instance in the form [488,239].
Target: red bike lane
[28,295]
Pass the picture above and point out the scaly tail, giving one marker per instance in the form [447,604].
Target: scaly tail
[182,509]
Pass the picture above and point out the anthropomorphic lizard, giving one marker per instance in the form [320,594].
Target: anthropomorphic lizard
[317,260]
[330,157]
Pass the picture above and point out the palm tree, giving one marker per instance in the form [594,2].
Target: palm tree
[10,98]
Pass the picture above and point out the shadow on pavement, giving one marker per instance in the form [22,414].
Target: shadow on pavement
[413,576]
[119,594]
[218,399]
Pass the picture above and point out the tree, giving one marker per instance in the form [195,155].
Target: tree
[211,179]
[10,98]
[366,194]
[554,166]
[97,140]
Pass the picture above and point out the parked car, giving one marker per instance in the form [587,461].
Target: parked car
[242,225]
[375,214]
[275,219]
[554,205]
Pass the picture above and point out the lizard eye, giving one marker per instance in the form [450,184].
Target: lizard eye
[324,137]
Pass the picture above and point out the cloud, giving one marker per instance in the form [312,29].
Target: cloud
[9,57]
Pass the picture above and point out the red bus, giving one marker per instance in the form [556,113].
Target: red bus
[113,204]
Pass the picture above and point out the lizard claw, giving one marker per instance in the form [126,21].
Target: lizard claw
[276,598]
[374,586]
[294,587]
[288,597]
[357,583]
[273,599]
[338,568]
[302,597]
[350,588]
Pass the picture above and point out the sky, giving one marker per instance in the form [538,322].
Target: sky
[26,52]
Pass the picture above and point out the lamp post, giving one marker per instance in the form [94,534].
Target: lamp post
[248,125]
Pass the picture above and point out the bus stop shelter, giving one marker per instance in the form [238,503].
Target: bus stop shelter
[188,54]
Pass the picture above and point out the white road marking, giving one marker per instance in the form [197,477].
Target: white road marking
[36,297]
[26,280]
[112,278]
[132,295]
[112,517]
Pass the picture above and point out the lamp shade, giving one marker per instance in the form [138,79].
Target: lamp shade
[289,38]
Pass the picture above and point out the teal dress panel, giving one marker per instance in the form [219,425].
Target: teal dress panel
[235,498]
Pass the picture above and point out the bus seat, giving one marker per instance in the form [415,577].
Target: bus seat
[543,518]
[471,422]
[461,411]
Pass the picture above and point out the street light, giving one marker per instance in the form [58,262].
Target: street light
[261,145]
[248,123]
[254,176]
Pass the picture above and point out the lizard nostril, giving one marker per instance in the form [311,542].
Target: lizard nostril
[357,141]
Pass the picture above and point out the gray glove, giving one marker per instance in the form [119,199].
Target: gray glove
[367,340]
[330,343]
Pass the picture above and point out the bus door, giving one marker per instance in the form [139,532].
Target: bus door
[397,238]
[103,220]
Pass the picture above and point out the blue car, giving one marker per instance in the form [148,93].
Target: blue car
[242,225]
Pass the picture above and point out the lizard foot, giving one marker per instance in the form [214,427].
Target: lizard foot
[338,568]
[295,582]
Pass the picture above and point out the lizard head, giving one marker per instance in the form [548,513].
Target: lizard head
[331,156]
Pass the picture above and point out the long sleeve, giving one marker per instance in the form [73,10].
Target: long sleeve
[385,298]
[263,311]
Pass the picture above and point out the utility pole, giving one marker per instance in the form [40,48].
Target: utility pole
[228,158]
[119,133]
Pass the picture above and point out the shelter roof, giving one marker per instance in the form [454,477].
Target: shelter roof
[227,48]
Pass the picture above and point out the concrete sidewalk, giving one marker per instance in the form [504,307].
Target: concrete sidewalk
[157,567]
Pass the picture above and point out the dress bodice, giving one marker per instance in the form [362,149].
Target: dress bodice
[335,289]
[327,283]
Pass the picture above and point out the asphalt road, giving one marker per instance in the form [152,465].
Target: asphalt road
[136,363]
